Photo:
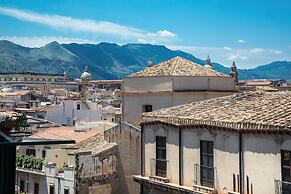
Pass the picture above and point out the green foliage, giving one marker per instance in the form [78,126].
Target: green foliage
[17,122]
[29,162]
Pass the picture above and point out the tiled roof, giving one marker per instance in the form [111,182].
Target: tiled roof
[15,93]
[95,145]
[64,133]
[177,66]
[248,112]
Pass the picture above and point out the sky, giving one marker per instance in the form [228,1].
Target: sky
[249,32]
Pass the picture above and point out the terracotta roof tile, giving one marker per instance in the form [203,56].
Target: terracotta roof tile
[95,144]
[177,66]
[64,133]
[249,111]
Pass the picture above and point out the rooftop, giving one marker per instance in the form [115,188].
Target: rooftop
[63,133]
[248,112]
[30,73]
[95,144]
[177,66]
[15,93]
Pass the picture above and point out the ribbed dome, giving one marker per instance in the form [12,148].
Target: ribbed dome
[86,76]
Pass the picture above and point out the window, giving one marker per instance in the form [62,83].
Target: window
[22,186]
[30,152]
[43,153]
[206,161]
[31,79]
[36,188]
[286,170]
[25,79]
[161,156]
[66,191]
[78,107]
[147,108]
[52,189]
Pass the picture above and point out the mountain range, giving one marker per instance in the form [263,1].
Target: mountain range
[111,61]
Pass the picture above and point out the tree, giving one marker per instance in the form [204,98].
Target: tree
[17,122]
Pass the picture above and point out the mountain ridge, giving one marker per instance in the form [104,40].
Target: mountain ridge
[111,61]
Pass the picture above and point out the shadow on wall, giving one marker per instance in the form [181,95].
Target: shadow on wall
[224,140]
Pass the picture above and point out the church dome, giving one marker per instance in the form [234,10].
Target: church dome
[86,76]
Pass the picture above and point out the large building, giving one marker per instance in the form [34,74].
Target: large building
[173,82]
[170,83]
[233,144]
[30,76]
[39,81]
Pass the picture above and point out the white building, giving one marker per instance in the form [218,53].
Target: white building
[59,171]
[170,83]
[234,144]
[70,111]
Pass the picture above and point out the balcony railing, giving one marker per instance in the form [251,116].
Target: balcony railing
[160,170]
[205,178]
[282,187]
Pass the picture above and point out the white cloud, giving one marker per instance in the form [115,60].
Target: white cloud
[85,25]
[244,57]
[257,50]
[274,51]
[233,57]
[144,41]
[40,41]
[241,41]
[227,48]
[166,34]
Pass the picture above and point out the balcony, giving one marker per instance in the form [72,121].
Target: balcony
[160,170]
[205,178]
[282,187]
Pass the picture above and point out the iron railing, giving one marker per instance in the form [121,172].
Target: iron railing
[282,187]
[205,176]
[160,168]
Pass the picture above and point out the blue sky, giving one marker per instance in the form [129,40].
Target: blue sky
[249,32]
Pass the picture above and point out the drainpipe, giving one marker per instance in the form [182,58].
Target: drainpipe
[142,158]
[26,181]
[180,157]
[241,164]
